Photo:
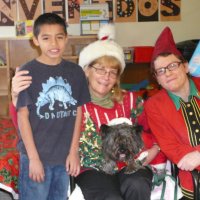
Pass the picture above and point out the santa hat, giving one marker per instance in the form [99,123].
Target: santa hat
[165,44]
[120,120]
[105,46]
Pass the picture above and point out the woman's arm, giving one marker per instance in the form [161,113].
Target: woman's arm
[20,82]
[73,159]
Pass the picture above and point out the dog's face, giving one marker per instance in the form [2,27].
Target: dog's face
[120,142]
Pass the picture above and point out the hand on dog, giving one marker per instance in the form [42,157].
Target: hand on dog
[152,153]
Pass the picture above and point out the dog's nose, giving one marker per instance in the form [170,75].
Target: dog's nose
[122,149]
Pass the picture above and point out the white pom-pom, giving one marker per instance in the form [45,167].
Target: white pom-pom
[143,155]
[120,120]
[107,32]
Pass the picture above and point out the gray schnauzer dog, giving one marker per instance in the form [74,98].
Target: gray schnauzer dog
[121,142]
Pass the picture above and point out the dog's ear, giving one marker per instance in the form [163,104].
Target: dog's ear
[138,129]
[104,130]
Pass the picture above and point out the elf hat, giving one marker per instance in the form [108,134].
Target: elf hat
[105,46]
[165,44]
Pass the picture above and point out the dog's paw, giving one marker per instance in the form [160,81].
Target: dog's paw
[129,171]
[132,167]
[109,167]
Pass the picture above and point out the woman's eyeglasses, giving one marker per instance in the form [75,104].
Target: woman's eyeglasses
[172,66]
[103,71]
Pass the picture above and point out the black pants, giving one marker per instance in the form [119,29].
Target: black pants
[96,185]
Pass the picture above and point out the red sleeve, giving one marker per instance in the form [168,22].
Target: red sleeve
[166,136]
[13,114]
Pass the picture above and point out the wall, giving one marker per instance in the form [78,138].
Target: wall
[145,33]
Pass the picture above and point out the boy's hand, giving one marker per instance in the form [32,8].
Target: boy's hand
[36,170]
[73,164]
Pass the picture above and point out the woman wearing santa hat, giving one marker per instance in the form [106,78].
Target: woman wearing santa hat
[103,63]
[174,112]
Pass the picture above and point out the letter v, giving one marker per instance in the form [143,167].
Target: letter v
[29,14]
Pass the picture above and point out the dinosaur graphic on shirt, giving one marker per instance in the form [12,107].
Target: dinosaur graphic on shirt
[55,89]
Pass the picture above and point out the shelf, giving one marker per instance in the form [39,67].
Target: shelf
[69,36]
[3,92]
[70,57]
[3,67]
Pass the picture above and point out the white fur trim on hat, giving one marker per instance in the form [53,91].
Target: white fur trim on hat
[105,46]
[120,120]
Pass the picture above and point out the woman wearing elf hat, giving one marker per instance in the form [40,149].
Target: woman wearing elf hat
[103,63]
[174,113]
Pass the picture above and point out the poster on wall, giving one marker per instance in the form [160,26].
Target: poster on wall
[92,17]
[170,10]
[110,6]
[24,28]
[147,10]
[55,6]
[125,11]
[29,9]
[8,12]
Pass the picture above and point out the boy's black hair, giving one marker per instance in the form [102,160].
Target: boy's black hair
[48,18]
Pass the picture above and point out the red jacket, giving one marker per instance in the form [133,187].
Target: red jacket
[168,126]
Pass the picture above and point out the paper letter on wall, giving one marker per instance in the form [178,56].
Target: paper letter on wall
[55,6]
[125,11]
[7,12]
[147,10]
[170,10]
[29,9]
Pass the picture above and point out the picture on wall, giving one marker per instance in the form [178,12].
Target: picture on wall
[110,6]
[24,28]
[92,17]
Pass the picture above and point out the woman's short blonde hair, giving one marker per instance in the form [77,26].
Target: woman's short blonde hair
[114,63]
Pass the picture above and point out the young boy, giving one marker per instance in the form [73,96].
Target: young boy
[49,115]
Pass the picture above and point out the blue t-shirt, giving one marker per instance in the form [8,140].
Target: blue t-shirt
[52,101]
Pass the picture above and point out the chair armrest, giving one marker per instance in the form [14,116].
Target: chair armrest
[195,178]
[72,183]
[196,183]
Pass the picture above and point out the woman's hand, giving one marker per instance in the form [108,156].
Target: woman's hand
[20,82]
[73,164]
[190,161]
[152,153]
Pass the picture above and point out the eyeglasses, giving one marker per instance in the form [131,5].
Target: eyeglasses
[172,66]
[103,71]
